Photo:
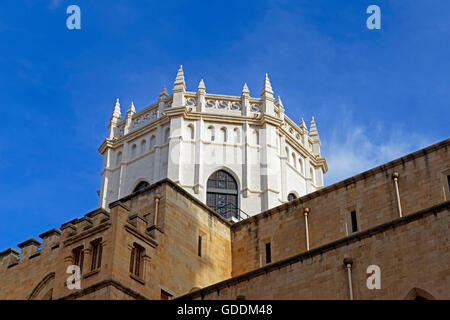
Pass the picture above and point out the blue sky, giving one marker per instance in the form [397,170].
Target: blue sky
[375,94]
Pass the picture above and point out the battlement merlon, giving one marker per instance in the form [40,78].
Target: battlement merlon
[243,108]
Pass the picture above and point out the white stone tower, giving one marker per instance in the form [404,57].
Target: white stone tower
[228,151]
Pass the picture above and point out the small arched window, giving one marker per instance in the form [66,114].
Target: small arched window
[167,135]
[143,145]
[311,172]
[223,134]
[211,133]
[133,151]
[141,185]
[237,135]
[294,163]
[190,132]
[152,142]
[256,137]
[119,158]
[300,164]
[291,196]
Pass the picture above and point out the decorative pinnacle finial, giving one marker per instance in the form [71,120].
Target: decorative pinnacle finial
[131,108]
[303,125]
[116,112]
[179,81]
[164,91]
[278,102]
[267,87]
[201,85]
[245,90]
[313,130]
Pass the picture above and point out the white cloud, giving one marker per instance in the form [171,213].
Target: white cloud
[352,149]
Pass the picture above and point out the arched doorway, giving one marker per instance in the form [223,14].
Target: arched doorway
[222,194]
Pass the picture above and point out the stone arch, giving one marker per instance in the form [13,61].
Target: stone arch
[294,194]
[139,184]
[44,289]
[419,294]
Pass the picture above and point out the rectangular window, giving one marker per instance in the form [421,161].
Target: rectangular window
[137,254]
[78,257]
[165,295]
[199,248]
[268,253]
[354,221]
[96,247]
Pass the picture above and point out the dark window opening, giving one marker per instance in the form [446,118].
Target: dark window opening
[199,249]
[354,221]
[165,295]
[78,257]
[96,254]
[448,180]
[268,253]
[141,186]
[291,197]
[137,254]
[222,194]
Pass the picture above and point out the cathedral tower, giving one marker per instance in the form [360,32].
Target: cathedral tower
[240,155]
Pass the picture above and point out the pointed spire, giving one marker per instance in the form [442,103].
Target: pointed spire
[179,81]
[131,108]
[245,90]
[313,133]
[267,87]
[116,112]
[303,125]
[278,102]
[163,92]
[201,85]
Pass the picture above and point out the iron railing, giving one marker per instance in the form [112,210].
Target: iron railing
[230,211]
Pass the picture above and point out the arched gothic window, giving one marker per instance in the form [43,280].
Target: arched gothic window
[141,185]
[291,196]
[222,194]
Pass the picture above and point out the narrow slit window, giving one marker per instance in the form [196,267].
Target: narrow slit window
[268,253]
[354,221]
[448,180]
[199,248]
